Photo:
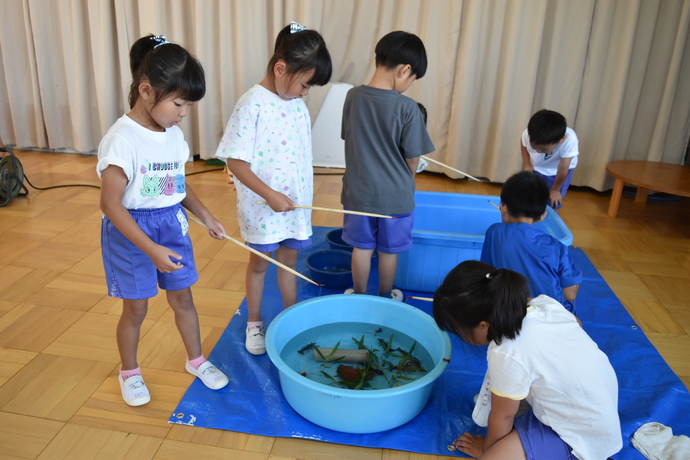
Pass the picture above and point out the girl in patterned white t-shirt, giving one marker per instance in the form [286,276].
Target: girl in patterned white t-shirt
[267,147]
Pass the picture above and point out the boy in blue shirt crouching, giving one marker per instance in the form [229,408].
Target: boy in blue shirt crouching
[517,245]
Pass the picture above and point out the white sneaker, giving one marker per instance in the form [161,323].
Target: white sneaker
[396,294]
[349,291]
[209,374]
[255,342]
[134,390]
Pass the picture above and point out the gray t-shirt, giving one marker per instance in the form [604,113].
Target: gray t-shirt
[381,128]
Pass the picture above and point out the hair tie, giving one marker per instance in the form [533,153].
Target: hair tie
[488,276]
[491,274]
[296,27]
[160,40]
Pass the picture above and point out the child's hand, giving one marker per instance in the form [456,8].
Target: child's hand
[555,198]
[280,203]
[470,444]
[162,259]
[215,228]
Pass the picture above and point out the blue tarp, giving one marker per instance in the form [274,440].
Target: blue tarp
[253,402]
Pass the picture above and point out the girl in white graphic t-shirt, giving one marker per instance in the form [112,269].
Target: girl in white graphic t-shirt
[144,236]
[537,353]
[267,147]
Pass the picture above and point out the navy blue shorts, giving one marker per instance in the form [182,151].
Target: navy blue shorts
[129,273]
[290,243]
[564,188]
[540,441]
[390,236]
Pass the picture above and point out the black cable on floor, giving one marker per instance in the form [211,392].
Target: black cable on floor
[26,178]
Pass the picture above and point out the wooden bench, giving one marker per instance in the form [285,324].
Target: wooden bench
[647,175]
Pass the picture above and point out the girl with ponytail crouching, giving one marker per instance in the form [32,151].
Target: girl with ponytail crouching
[537,353]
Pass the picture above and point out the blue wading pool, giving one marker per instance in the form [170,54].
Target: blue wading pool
[356,411]
[448,229]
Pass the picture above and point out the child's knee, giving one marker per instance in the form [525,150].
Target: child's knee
[257,266]
[287,256]
[180,300]
[135,310]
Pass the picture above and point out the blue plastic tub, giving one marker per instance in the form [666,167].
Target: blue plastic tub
[356,411]
[331,267]
[335,240]
[449,228]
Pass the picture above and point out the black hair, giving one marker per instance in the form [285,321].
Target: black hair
[474,292]
[169,68]
[424,113]
[303,51]
[400,47]
[546,127]
[526,195]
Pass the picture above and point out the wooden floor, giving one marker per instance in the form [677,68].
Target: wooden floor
[59,396]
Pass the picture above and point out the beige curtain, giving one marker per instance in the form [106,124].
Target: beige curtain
[619,70]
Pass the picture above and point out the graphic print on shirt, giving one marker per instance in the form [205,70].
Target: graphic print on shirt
[155,185]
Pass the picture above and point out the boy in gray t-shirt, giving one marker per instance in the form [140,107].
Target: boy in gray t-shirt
[384,136]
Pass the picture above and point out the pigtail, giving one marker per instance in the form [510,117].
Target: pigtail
[509,292]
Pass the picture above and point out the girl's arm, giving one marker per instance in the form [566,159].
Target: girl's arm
[194,204]
[276,200]
[501,419]
[113,183]
[500,424]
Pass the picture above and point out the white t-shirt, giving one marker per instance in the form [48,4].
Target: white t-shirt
[548,164]
[274,136]
[153,162]
[563,375]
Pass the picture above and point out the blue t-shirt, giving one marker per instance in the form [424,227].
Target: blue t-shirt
[541,258]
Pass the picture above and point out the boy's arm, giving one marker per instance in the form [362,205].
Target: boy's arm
[276,200]
[561,175]
[526,162]
[113,183]
[194,204]
[412,164]
[570,292]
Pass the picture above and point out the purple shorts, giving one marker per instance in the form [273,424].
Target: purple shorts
[391,236]
[564,188]
[129,273]
[290,243]
[540,441]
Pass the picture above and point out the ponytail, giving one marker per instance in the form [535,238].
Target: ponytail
[509,292]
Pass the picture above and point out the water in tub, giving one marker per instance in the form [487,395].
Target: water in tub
[395,359]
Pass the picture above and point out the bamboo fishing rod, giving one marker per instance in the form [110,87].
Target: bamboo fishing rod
[342,211]
[263,256]
[452,169]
